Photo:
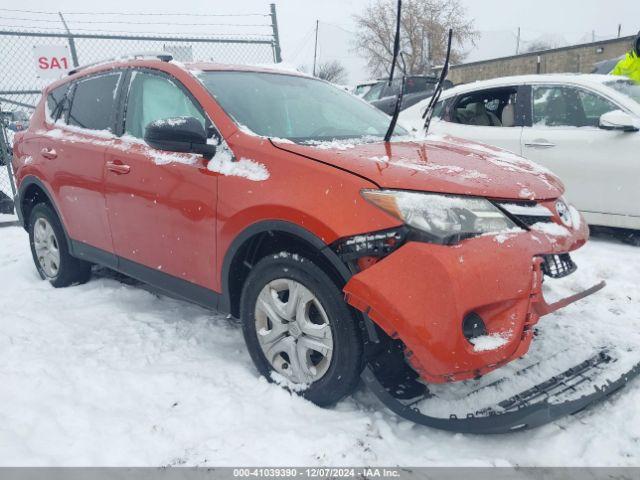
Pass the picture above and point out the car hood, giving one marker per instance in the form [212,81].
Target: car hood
[440,164]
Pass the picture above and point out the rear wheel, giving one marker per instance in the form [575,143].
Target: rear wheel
[298,329]
[49,249]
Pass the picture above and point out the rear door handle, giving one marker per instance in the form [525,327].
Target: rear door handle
[118,167]
[540,145]
[49,153]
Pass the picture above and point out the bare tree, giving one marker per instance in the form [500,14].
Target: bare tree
[424,30]
[332,71]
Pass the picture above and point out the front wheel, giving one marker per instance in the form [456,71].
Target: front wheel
[299,330]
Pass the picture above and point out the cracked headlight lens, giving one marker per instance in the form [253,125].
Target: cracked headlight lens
[442,218]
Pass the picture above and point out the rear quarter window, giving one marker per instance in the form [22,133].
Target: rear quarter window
[56,102]
[93,104]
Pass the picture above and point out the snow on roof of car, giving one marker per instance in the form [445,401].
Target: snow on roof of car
[570,78]
[567,78]
[260,67]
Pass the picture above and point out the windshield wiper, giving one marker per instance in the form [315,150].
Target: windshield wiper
[428,113]
[396,50]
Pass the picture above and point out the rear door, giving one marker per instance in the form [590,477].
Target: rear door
[73,153]
[490,116]
[161,205]
[600,168]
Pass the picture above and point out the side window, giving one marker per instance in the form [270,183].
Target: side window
[490,108]
[374,93]
[57,103]
[595,106]
[416,85]
[438,109]
[154,97]
[93,102]
[556,106]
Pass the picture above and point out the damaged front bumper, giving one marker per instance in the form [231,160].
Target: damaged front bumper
[421,294]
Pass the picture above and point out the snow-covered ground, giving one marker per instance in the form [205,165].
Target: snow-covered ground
[110,374]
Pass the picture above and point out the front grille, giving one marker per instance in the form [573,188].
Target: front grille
[529,220]
[558,266]
[527,213]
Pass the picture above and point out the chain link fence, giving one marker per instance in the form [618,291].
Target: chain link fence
[20,86]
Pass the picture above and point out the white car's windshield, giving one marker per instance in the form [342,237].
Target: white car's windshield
[628,88]
[293,107]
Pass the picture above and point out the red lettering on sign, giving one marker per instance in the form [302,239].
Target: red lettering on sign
[53,63]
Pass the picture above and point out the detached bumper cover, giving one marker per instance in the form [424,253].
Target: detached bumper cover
[555,398]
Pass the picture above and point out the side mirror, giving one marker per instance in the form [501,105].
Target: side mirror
[179,134]
[619,120]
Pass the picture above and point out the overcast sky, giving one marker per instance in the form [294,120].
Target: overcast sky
[570,21]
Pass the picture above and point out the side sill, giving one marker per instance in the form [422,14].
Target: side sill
[169,284]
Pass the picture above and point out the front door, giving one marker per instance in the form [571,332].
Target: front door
[599,168]
[161,205]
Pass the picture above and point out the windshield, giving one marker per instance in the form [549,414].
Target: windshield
[296,108]
[628,88]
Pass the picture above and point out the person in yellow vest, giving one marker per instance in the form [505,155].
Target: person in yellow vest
[629,66]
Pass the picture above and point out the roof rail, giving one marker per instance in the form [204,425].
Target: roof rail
[162,56]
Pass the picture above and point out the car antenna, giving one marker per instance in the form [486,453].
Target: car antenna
[396,50]
[428,113]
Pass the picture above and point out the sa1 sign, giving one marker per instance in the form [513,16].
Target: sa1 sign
[52,61]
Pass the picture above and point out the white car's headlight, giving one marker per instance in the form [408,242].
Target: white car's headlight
[442,218]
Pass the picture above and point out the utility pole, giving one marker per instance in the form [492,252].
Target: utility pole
[72,43]
[518,42]
[593,36]
[315,49]
[619,29]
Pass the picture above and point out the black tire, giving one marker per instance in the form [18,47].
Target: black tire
[343,373]
[631,237]
[70,270]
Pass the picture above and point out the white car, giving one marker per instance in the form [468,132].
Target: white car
[585,128]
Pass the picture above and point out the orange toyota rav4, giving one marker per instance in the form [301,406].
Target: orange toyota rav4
[273,197]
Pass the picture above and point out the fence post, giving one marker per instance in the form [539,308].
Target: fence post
[276,38]
[72,42]
[5,156]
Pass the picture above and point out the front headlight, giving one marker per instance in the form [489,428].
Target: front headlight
[442,218]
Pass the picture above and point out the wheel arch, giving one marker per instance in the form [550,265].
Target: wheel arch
[31,192]
[267,237]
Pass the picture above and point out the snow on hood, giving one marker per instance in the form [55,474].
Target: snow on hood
[437,164]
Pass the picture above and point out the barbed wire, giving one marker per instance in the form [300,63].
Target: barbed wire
[128,22]
[18,28]
[165,14]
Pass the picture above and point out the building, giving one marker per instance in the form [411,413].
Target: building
[571,59]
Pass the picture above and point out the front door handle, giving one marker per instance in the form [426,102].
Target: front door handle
[118,167]
[540,144]
[49,153]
